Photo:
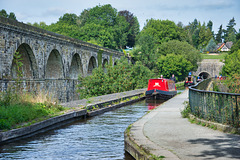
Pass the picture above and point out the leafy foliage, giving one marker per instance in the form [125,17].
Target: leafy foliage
[11,15]
[232,70]
[133,28]
[211,46]
[199,35]
[230,32]
[180,48]
[174,64]
[235,47]
[100,25]
[122,77]
[161,30]
[232,64]
[145,51]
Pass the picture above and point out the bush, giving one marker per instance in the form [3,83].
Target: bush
[187,109]
[122,77]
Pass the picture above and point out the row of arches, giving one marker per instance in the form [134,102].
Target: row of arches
[53,68]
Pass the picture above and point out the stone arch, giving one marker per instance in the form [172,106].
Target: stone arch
[29,68]
[54,66]
[205,75]
[91,65]
[76,68]
[104,65]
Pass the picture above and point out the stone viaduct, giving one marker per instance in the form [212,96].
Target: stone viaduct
[51,62]
[209,68]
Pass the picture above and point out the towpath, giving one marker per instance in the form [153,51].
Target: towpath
[104,98]
[163,132]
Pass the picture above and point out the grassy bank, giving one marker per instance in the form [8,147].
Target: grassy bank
[214,56]
[19,110]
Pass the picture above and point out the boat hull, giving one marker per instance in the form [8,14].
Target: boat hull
[159,94]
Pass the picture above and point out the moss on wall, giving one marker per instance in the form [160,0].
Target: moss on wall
[111,59]
[99,57]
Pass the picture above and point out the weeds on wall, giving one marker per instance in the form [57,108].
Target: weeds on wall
[19,108]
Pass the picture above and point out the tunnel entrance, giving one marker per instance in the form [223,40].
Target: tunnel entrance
[204,75]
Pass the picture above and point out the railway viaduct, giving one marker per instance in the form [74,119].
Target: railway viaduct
[51,62]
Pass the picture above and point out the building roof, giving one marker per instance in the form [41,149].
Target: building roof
[227,44]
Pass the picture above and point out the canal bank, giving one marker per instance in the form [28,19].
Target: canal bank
[80,109]
[163,133]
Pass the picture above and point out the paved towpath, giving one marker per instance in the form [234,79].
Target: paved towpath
[166,129]
[103,98]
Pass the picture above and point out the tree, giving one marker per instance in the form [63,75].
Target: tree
[10,16]
[161,30]
[232,64]
[219,35]
[120,32]
[103,15]
[209,25]
[211,46]
[230,32]
[205,35]
[145,51]
[180,48]
[68,18]
[4,13]
[122,77]
[174,64]
[236,46]
[133,28]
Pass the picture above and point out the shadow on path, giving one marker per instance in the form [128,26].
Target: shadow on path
[222,146]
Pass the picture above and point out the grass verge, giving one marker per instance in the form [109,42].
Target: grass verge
[217,56]
[23,109]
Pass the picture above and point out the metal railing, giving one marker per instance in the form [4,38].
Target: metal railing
[219,107]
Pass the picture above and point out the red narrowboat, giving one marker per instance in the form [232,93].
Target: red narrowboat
[161,88]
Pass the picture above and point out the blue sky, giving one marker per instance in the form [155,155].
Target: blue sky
[185,11]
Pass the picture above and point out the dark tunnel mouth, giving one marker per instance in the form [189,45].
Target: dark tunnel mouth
[205,75]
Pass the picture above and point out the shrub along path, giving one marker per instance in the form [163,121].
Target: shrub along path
[166,128]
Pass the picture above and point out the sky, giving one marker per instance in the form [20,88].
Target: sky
[185,11]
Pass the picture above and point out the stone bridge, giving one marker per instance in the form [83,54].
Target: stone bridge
[209,68]
[51,62]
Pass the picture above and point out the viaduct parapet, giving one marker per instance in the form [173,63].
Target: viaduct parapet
[51,62]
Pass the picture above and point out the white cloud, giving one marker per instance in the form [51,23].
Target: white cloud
[54,12]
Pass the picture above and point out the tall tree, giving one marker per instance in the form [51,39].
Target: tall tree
[161,30]
[145,51]
[68,18]
[180,48]
[209,25]
[230,32]
[133,28]
[211,46]
[219,35]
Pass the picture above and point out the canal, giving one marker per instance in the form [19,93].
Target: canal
[99,137]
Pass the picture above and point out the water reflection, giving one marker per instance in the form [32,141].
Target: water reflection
[100,137]
[153,103]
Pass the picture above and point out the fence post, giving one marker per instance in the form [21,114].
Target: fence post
[237,113]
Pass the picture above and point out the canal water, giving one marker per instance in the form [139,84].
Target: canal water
[99,137]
